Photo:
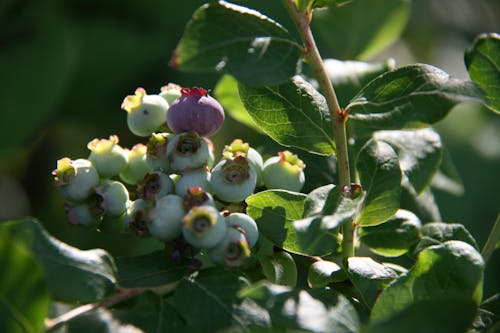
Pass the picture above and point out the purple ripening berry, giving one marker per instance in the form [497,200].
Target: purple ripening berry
[195,111]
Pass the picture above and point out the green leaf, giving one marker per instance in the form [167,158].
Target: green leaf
[73,275]
[293,114]
[450,271]
[151,313]
[226,92]
[148,313]
[438,232]
[429,316]
[380,176]
[24,299]
[369,277]
[280,268]
[274,211]
[150,270]
[483,63]
[362,28]
[419,153]
[209,302]
[313,310]
[323,272]
[348,77]
[318,234]
[394,237]
[223,37]
[401,98]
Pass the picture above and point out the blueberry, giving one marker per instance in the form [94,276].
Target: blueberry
[75,179]
[114,197]
[247,224]
[137,166]
[233,180]
[107,156]
[195,178]
[187,151]
[145,113]
[156,154]
[136,216]
[285,171]
[196,196]
[203,227]
[166,218]
[170,92]
[82,214]
[232,250]
[195,111]
[155,185]
[237,148]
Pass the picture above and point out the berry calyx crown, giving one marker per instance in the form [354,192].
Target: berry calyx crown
[195,91]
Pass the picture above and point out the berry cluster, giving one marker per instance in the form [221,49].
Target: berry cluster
[171,188]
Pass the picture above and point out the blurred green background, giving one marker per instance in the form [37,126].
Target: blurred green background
[65,67]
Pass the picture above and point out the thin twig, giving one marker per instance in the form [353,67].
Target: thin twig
[338,116]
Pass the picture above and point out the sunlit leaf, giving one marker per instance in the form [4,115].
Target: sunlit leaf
[401,98]
[223,37]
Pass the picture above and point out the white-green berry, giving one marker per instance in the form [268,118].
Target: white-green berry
[247,224]
[166,218]
[156,154]
[135,218]
[137,166]
[240,148]
[114,197]
[75,179]
[196,196]
[285,171]
[203,227]
[82,214]
[107,156]
[232,250]
[146,114]
[233,180]
[187,151]
[155,185]
[194,178]
[170,92]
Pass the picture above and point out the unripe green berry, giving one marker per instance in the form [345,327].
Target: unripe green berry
[196,196]
[155,185]
[75,179]
[137,167]
[247,224]
[240,148]
[156,154]
[232,250]
[187,151]
[170,92]
[82,214]
[233,180]
[146,114]
[135,217]
[203,227]
[107,156]
[166,218]
[285,171]
[114,197]
[195,178]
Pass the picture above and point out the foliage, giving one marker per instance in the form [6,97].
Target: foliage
[301,275]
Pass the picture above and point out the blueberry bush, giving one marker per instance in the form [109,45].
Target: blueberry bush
[331,227]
